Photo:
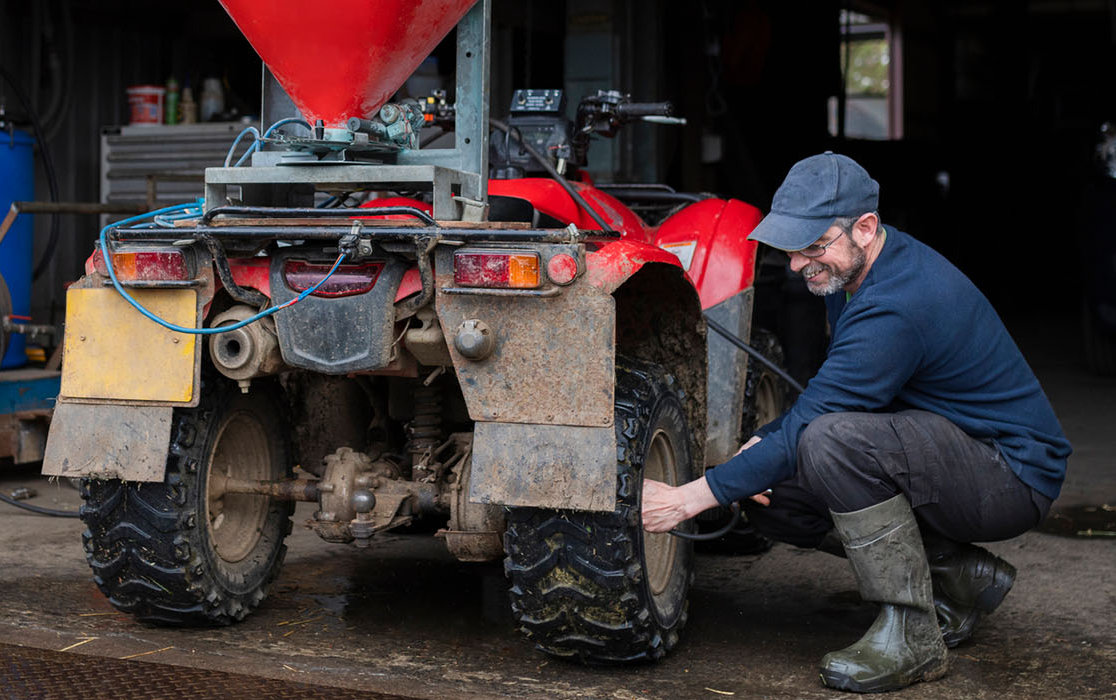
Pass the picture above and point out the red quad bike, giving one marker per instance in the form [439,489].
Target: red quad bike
[502,359]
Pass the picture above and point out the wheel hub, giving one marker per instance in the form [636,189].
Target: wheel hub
[241,451]
[659,548]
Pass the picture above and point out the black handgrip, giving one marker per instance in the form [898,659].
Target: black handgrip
[644,109]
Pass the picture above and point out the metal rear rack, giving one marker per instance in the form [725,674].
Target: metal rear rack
[254,224]
[354,236]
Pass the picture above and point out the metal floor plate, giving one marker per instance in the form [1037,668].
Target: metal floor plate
[26,672]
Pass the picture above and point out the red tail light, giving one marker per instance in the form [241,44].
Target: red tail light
[144,265]
[348,280]
[499,270]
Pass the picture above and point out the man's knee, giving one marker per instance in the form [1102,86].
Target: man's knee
[839,459]
[823,443]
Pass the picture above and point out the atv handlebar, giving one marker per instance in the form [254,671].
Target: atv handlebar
[630,110]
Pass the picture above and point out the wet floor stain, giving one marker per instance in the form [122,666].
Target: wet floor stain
[407,617]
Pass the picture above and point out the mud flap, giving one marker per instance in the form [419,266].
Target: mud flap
[553,361]
[108,441]
[544,466]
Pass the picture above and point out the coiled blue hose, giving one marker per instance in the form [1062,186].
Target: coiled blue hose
[181,329]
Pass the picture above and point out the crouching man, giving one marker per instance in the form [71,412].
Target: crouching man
[924,431]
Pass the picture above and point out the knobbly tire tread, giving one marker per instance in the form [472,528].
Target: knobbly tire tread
[148,544]
[577,582]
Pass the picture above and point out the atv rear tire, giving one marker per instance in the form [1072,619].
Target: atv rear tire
[179,552]
[595,586]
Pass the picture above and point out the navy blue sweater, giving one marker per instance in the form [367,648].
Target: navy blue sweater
[916,334]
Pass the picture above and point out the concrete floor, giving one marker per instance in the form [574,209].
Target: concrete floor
[407,618]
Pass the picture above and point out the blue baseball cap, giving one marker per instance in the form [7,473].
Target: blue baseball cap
[817,190]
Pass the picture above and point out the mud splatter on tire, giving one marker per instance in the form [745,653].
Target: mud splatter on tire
[152,545]
[582,584]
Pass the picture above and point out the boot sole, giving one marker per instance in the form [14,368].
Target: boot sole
[929,671]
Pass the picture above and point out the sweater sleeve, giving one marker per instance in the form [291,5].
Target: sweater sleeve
[875,350]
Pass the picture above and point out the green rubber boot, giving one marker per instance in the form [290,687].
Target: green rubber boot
[969,582]
[904,644]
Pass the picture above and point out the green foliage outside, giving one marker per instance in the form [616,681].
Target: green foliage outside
[867,74]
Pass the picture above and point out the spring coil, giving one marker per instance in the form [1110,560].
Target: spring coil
[425,430]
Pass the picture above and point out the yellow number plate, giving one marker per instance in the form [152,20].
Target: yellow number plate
[113,352]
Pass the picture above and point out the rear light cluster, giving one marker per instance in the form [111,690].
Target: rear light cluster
[151,265]
[348,280]
[498,270]
[510,270]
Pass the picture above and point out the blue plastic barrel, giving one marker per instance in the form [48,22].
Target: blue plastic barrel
[17,184]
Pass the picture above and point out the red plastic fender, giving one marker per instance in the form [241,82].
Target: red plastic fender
[255,272]
[551,199]
[712,235]
[395,202]
[612,264]
[411,282]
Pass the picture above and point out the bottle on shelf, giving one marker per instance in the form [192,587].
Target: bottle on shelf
[170,113]
[212,99]
[187,107]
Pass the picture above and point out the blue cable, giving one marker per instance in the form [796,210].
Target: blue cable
[281,122]
[250,130]
[256,144]
[194,331]
[167,221]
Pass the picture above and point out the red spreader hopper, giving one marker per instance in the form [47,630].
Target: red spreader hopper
[343,58]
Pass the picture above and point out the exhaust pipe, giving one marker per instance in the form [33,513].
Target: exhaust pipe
[248,352]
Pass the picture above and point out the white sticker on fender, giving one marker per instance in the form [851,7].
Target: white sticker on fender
[683,251]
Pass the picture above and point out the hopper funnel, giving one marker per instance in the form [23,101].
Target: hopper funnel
[344,58]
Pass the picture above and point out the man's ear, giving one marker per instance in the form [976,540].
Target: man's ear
[865,229]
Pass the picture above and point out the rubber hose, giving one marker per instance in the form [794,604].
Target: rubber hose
[724,333]
[36,509]
[699,537]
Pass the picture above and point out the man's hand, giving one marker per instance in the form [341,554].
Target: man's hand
[760,498]
[665,506]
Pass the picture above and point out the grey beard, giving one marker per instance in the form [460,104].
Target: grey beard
[837,278]
[836,281]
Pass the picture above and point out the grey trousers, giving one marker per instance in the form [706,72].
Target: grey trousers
[959,487]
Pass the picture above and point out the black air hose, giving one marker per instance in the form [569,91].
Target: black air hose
[724,333]
[552,171]
[36,509]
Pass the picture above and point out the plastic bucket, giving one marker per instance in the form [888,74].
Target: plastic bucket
[145,103]
[17,178]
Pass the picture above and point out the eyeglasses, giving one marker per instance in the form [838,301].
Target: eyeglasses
[816,251]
